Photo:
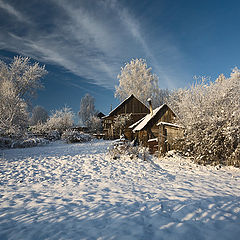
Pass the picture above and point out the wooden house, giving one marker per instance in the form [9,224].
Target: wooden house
[146,130]
[130,105]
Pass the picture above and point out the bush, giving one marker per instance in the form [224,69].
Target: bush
[30,142]
[43,131]
[5,142]
[210,113]
[121,147]
[73,136]
[58,122]
[52,135]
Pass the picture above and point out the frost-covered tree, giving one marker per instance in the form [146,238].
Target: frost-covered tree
[87,109]
[95,123]
[60,120]
[39,115]
[120,122]
[137,78]
[19,82]
[210,113]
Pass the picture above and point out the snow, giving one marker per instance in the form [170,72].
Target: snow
[136,123]
[76,191]
[146,119]
[169,124]
[153,140]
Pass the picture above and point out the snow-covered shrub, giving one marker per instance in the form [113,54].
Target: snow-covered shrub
[121,147]
[60,120]
[234,159]
[117,148]
[38,129]
[120,122]
[143,152]
[73,136]
[43,130]
[52,135]
[95,124]
[210,113]
[30,142]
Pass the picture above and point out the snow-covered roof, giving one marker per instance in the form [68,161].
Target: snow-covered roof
[144,121]
[112,112]
[153,140]
[169,124]
[136,123]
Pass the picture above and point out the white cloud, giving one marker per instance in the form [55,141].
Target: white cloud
[134,28]
[92,42]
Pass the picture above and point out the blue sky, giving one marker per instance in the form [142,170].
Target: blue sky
[84,43]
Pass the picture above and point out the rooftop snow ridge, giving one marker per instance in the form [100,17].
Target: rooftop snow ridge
[146,119]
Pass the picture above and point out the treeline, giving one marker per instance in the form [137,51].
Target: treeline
[208,110]
[19,82]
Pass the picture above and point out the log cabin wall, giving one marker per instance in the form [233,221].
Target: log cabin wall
[168,136]
[130,105]
[158,131]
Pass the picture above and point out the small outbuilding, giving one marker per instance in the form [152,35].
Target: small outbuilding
[157,129]
[147,128]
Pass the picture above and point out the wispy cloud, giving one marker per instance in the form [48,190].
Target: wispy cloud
[136,30]
[91,39]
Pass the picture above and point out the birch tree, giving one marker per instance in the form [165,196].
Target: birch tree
[137,78]
[19,82]
[87,109]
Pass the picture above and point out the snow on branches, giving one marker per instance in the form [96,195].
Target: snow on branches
[18,83]
[120,122]
[210,113]
[59,121]
[136,78]
[87,110]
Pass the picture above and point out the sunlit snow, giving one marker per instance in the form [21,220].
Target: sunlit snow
[78,191]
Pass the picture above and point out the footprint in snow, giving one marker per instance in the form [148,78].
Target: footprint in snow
[106,189]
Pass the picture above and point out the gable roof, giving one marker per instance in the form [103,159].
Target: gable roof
[122,103]
[100,115]
[169,124]
[138,126]
[142,123]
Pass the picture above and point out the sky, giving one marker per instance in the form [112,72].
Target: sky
[84,43]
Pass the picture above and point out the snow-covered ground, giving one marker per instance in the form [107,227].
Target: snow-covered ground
[77,191]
